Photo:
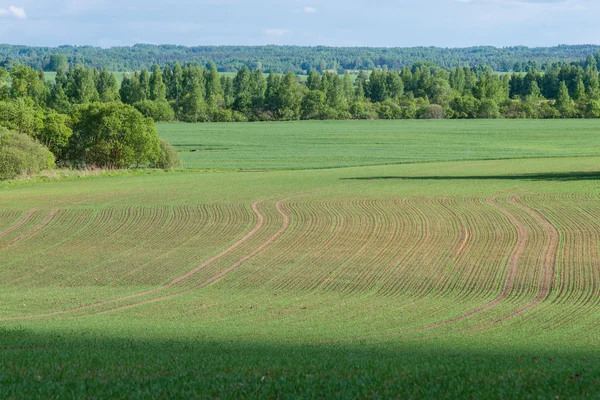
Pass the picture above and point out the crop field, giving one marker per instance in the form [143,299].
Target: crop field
[431,275]
[335,144]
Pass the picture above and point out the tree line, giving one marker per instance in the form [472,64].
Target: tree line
[87,118]
[297,59]
[78,121]
[194,93]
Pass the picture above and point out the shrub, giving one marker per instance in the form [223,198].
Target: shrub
[159,110]
[222,115]
[593,109]
[547,111]
[168,157]
[112,135]
[433,111]
[21,116]
[362,110]
[388,110]
[465,107]
[239,117]
[56,131]
[488,109]
[20,154]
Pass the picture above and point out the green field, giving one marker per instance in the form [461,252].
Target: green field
[469,271]
[334,144]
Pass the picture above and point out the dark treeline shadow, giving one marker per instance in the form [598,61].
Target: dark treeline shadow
[80,364]
[544,176]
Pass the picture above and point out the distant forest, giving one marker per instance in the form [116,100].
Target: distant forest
[86,117]
[296,59]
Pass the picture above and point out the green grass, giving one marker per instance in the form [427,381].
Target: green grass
[467,279]
[333,144]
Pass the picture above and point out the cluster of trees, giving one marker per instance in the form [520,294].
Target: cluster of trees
[78,120]
[283,59]
[86,118]
[201,94]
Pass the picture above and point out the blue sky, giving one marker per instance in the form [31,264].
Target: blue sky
[388,23]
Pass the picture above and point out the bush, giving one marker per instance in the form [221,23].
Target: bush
[20,154]
[56,131]
[21,116]
[112,135]
[362,110]
[547,111]
[433,111]
[593,109]
[160,111]
[222,115]
[465,107]
[488,109]
[388,110]
[168,157]
[239,117]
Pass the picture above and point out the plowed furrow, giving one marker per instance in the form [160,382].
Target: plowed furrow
[215,278]
[31,232]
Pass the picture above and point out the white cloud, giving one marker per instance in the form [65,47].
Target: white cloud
[18,12]
[14,11]
[275,32]
[309,10]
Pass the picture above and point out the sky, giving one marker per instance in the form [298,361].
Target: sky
[380,23]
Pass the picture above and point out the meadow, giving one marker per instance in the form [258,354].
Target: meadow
[423,259]
[335,144]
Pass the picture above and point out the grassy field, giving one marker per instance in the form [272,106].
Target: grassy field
[444,278]
[334,144]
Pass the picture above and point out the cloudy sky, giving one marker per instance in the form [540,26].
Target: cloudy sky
[389,23]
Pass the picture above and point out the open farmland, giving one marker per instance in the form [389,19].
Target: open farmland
[334,144]
[471,270]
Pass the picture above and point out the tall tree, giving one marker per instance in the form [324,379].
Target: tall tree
[26,83]
[579,93]
[158,89]
[257,86]
[144,79]
[106,84]
[214,91]
[243,95]
[272,92]
[564,104]
[192,107]
[591,81]
[81,86]
[289,98]
[313,82]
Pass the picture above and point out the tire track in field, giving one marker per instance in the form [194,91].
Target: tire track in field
[550,256]
[19,223]
[510,277]
[259,224]
[506,289]
[31,232]
[549,264]
[550,260]
[551,253]
[215,278]
[257,227]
